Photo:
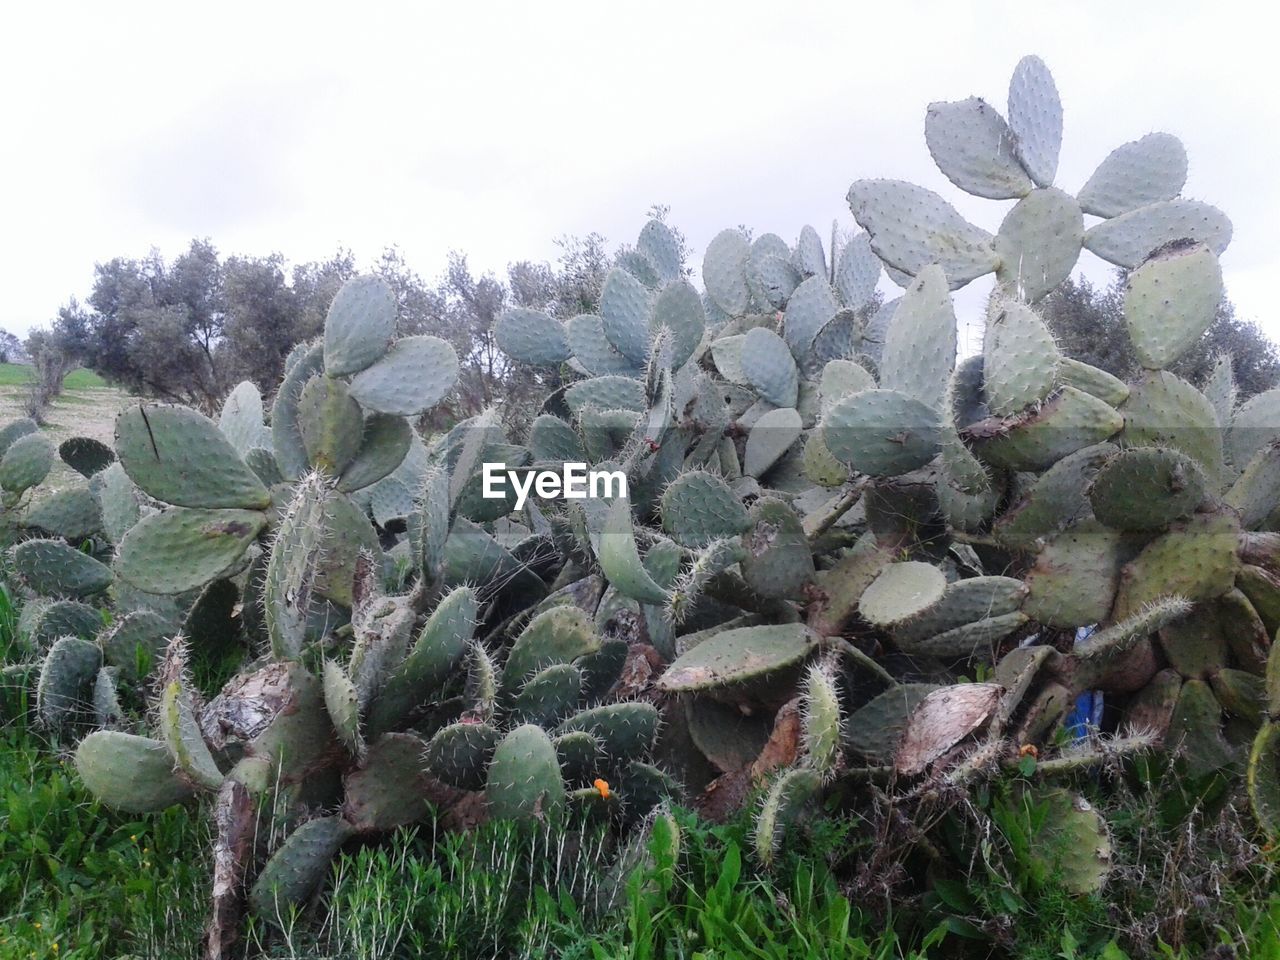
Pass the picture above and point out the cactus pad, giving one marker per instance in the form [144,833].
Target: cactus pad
[1169,301]
[882,432]
[180,549]
[129,773]
[55,569]
[1146,488]
[415,375]
[738,655]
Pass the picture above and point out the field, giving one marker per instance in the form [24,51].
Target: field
[86,408]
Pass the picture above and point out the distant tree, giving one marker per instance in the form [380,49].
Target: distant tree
[1089,325]
[11,349]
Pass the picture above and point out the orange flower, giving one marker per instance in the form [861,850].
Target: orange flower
[1028,750]
[602,786]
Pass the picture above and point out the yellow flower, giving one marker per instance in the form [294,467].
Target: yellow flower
[602,786]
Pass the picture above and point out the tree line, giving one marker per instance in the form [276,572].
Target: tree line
[189,329]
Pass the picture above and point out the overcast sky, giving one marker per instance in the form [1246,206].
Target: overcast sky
[493,128]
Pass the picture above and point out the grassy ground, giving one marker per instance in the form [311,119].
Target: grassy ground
[87,407]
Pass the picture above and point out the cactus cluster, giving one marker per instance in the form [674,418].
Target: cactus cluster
[830,518]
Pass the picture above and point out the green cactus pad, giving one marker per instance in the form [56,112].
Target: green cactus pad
[1242,694]
[769,367]
[1091,380]
[882,433]
[52,568]
[43,622]
[179,549]
[1220,390]
[384,444]
[857,273]
[460,753]
[347,534]
[286,437]
[129,773]
[1068,839]
[107,710]
[841,378]
[551,440]
[14,429]
[85,455]
[359,326]
[559,635]
[969,639]
[1075,576]
[1264,778]
[724,271]
[299,867]
[532,337]
[726,352]
[581,756]
[964,601]
[592,348]
[771,436]
[1146,488]
[739,655]
[1169,301]
[1255,425]
[137,639]
[390,787]
[1035,117]
[625,730]
[65,684]
[1143,171]
[787,797]
[26,462]
[1262,589]
[902,592]
[181,733]
[911,228]
[72,513]
[1036,439]
[179,456]
[1057,499]
[973,147]
[1130,238]
[1196,559]
[1166,411]
[620,560]
[546,697]
[242,419]
[821,720]
[699,507]
[524,777]
[343,705]
[118,500]
[778,561]
[678,307]
[1039,243]
[605,393]
[919,349]
[437,651]
[626,308]
[810,307]
[1245,633]
[331,423]
[1020,359]
[1195,730]
[660,247]
[415,375]
[1256,492]
[875,729]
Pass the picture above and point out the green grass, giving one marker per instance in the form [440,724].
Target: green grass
[17,375]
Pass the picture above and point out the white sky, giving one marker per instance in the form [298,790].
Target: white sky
[493,128]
